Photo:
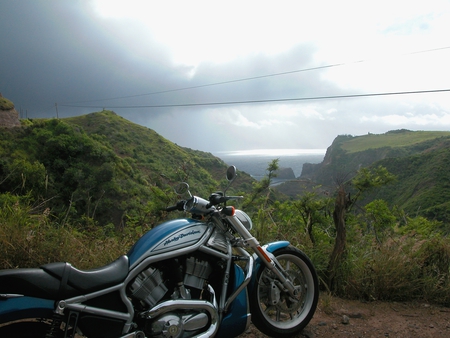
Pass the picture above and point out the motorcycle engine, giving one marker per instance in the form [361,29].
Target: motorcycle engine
[152,286]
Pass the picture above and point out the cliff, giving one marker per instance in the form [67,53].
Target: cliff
[9,117]
[285,174]
[419,159]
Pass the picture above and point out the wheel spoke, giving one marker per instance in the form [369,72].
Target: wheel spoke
[288,265]
[278,315]
[277,307]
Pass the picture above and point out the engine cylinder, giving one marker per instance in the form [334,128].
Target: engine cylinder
[148,286]
[197,272]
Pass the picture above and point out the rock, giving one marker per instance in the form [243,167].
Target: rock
[285,173]
[355,315]
[9,117]
[345,320]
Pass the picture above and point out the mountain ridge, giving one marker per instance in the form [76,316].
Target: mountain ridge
[419,159]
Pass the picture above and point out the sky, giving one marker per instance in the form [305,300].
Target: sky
[232,75]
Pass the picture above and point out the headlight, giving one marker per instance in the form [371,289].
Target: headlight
[244,218]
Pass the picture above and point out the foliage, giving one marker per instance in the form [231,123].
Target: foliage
[392,139]
[101,167]
[61,179]
[6,104]
[30,239]
[418,159]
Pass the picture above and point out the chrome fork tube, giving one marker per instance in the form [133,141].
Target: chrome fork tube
[269,260]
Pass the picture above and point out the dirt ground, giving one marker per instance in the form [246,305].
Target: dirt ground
[337,317]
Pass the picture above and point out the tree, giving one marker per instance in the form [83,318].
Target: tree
[311,208]
[365,180]
[380,217]
[260,199]
[264,184]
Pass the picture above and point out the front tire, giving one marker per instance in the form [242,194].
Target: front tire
[274,312]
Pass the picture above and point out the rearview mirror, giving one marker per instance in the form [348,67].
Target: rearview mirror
[182,188]
[231,173]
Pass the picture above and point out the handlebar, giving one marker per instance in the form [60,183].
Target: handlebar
[198,205]
[179,206]
[218,198]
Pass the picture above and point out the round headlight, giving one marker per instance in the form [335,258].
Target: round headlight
[244,218]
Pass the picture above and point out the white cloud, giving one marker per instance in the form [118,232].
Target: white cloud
[411,119]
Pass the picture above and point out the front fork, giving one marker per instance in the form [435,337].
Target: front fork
[265,256]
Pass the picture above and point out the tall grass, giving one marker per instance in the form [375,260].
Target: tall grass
[401,268]
[29,239]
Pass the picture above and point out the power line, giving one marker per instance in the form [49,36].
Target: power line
[223,82]
[330,97]
[251,78]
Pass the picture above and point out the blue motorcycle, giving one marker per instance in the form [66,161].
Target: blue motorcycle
[190,277]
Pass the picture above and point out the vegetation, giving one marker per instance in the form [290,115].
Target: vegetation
[393,139]
[420,161]
[6,104]
[372,251]
[85,189]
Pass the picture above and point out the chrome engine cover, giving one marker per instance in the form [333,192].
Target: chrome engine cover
[172,325]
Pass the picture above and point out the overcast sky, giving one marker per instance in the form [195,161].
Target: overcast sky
[176,67]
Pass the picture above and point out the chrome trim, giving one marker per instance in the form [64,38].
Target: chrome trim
[249,321]
[247,279]
[213,252]
[10,295]
[75,303]
[137,334]
[98,311]
[226,279]
[172,305]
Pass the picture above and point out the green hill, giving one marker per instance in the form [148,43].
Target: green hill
[419,159]
[392,139]
[102,167]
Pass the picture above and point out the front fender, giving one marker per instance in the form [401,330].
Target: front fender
[20,307]
[270,247]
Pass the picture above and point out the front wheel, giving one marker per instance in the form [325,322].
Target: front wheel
[274,311]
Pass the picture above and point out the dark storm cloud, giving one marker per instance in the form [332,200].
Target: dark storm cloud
[65,52]
[57,52]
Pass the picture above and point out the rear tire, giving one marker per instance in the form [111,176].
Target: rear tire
[274,312]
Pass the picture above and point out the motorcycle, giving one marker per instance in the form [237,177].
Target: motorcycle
[190,277]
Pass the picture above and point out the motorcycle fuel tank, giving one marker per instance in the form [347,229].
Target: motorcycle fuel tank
[168,236]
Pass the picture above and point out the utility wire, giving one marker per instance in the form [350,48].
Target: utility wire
[249,78]
[223,82]
[270,100]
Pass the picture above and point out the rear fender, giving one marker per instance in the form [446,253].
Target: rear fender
[15,307]
[270,247]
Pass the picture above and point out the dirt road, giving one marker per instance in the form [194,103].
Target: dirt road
[337,317]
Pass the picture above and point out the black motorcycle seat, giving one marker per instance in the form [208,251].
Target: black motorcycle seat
[61,280]
[89,280]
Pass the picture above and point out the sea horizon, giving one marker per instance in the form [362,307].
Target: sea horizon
[271,152]
[255,161]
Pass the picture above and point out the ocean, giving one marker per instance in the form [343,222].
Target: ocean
[255,162]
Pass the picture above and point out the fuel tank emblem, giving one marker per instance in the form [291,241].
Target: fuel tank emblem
[182,238]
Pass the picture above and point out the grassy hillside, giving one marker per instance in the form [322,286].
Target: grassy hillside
[6,104]
[102,168]
[419,159]
[392,139]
